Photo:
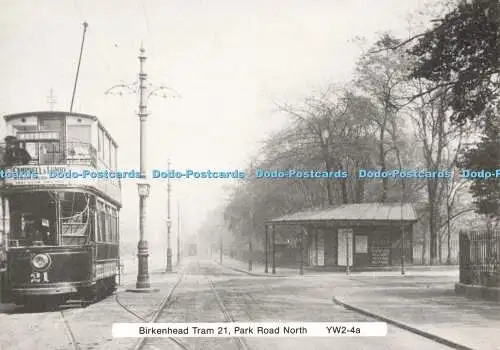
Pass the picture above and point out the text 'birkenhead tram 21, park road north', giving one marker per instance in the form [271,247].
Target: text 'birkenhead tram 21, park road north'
[266,329]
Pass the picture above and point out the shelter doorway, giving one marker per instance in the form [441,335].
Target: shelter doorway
[345,246]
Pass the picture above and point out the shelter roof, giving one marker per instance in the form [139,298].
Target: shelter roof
[364,212]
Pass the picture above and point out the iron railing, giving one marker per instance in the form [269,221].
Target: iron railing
[480,258]
[55,153]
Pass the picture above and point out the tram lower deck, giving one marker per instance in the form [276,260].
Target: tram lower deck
[61,245]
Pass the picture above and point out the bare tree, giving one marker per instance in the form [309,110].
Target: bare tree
[381,76]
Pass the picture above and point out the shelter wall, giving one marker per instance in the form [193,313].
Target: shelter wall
[374,245]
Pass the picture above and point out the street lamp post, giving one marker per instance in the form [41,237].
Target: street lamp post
[403,252]
[301,242]
[221,249]
[168,268]
[169,224]
[266,270]
[274,249]
[142,284]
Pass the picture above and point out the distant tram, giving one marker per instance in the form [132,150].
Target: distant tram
[192,249]
[60,235]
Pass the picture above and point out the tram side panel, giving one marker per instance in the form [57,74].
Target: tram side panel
[106,261]
[38,271]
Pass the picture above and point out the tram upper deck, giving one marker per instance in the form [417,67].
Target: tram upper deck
[59,142]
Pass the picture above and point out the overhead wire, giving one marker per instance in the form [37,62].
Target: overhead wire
[146,23]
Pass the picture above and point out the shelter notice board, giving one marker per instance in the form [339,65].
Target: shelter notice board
[361,243]
[381,250]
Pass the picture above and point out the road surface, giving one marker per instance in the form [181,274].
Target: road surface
[204,292]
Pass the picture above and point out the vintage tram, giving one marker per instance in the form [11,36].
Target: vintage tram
[60,235]
[192,249]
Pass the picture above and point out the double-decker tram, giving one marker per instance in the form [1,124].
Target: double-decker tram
[60,233]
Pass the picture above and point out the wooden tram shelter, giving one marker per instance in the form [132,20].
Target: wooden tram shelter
[357,236]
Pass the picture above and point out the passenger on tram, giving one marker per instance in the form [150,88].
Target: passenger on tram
[14,154]
[30,230]
[45,230]
[36,233]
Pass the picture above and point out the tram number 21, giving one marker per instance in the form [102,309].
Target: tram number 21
[39,277]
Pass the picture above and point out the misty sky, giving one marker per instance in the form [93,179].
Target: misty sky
[229,60]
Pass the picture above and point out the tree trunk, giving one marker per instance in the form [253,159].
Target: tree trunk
[383,166]
[424,248]
[432,198]
[440,249]
[328,165]
[345,196]
[432,231]
[448,258]
[359,188]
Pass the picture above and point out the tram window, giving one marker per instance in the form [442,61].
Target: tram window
[113,229]
[78,141]
[109,154]
[102,226]
[113,157]
[50,153]
[75,218]
[109,237]
[99,138]
[32,149]
[105,156]
[79,133]
[51,124]
[33,219]
[115,226]
[101,143]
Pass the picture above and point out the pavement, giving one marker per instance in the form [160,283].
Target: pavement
[258,269]
[91,326]
[423,302]
[420,308]
[432,309]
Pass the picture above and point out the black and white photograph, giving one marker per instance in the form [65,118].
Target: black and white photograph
[268,174]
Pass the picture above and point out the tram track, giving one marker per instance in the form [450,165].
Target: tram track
[163,305]
[246,297]
[54,318]
[240,342]
[69,331]
[227,316]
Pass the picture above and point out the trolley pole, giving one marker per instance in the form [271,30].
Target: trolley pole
[169,224]
[85,25]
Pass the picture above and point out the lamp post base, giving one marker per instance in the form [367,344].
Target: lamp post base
[169,260]
[143,268]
